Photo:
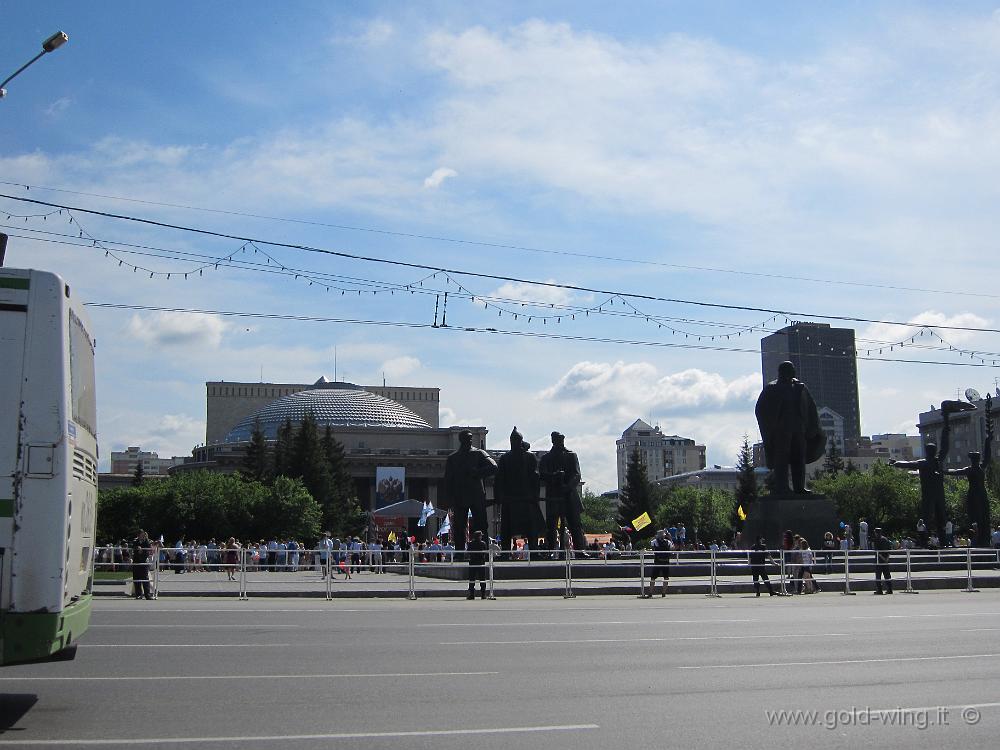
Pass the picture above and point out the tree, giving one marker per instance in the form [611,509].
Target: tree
[833,464]
[886,497]
[747,490]
[138,475]
[283,449]
[635,497]
[598,516]
[705,512]
[255,462]
[341,511]
[850,468]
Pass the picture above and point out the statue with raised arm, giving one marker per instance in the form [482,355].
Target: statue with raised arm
[977,503]
[931,471]
[789,426]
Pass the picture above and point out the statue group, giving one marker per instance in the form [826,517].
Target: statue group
[789,426]
[518,478]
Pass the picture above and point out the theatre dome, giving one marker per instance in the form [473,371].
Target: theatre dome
[338,405]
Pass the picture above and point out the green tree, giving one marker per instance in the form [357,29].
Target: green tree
[256,464]
[833,464]
[341,511]
[286,509]
[283,449]
[598,516]
[635,497]
[706,512]
[850,468]
[747,490]
[138,475]
[886,497]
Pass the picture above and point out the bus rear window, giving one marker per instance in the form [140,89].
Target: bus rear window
[81,368]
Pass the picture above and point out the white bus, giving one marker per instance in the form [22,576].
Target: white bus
[48,466]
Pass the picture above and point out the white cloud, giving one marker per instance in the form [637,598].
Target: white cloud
[882,335]
[438,176]
[177,329]
[59,106]
[398,367]
[550,295]
[624,389]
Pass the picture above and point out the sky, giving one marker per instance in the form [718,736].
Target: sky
[649,188]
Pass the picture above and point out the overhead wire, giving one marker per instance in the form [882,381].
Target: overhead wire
[475,274]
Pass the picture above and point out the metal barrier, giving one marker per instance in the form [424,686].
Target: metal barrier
[437,571]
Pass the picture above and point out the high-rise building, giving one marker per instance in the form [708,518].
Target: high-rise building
[825,360]
[662,455]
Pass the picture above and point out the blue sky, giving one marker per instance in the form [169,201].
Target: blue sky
[697,151]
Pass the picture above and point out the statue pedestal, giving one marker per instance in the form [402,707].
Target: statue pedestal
[810,516]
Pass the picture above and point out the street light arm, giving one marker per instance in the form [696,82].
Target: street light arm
[51,44]
[20,70]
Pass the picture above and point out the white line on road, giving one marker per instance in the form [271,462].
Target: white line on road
[173,626]
[942,614]
[287,737]
[648,640]
[241,676]
[579,623]
[186,645]
[842,661]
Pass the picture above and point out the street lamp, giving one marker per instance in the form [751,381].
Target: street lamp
[51,44]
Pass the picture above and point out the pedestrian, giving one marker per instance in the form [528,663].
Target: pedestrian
[807,557]
[862,534]
[758,556]
[829,545]
[663,545]
[142,547]
[325,546]
[478,551]
[882,547]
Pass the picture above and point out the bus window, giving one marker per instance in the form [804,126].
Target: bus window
[81,369]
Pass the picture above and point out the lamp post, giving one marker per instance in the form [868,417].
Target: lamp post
[51,44]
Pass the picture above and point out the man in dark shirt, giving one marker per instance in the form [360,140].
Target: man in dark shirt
[142,547]
[662,547]
[478,551]
[757,557]
[882,547]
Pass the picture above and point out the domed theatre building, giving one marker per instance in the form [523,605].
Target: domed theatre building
[383,429]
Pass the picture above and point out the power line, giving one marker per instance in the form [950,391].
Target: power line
[504,246]
[496,331]
[474,274]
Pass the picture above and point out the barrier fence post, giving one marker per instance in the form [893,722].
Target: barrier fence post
[489,592]
[156,572]
[243,573]
[412,565]
[713,591]
[969,588]
[847,573]
[642,575]
[328,578]
[909,581]
[784,591]
[569,565]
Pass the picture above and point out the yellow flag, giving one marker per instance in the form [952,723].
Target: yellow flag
[641,522]
[392,536]
[741,513]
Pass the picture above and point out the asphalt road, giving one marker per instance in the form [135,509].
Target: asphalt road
[594,672]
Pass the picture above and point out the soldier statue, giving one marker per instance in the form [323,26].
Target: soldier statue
[515,487]
[464,473]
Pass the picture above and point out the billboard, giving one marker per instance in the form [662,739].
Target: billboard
[390,485]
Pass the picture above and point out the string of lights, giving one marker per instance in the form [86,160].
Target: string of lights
[503,246]
[495,331]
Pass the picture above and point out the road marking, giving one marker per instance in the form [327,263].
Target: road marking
[186,645]
[172,626]
[579,623]
[942,614]
[648,640]
[286,737]
[241,676]
[978,630]
[842,661]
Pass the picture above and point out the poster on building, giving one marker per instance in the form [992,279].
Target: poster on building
[390,485]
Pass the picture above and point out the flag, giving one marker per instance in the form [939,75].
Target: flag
[426,513]
[392,537]
[741,513]
[446,526]
[641,522]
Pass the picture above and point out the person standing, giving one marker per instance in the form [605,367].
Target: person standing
[883,545]
[478,552]
[325,546]
[465,472]
[142,548]
[663,546]
[560,471]
[758,556]
[863,534]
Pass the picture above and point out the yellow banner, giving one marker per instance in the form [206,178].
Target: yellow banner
[741,513]
[641,522]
